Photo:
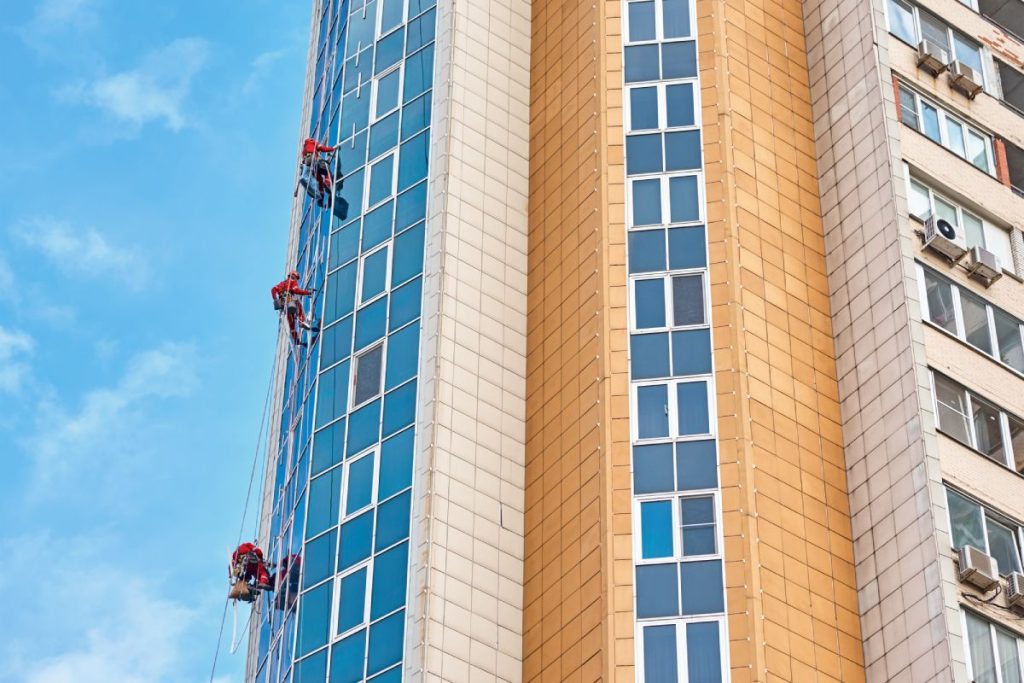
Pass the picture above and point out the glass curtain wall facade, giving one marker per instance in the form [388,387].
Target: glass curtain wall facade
[342,489]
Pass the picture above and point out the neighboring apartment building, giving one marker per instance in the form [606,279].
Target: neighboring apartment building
[634,365]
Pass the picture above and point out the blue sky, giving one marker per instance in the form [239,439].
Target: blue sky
[147,152]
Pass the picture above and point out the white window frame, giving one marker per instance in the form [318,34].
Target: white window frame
[383,246]
[993,629]
[1018,532]
[944,117]
[663,178]
[666,278]
[677,542]
[662,88]
[681,650]
[950,35]
[672,409]
[1004,420]
[374,118]
[382,344]
[368,177]
[659,24]
[372,452]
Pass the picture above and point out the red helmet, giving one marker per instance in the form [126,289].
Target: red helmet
[294,275]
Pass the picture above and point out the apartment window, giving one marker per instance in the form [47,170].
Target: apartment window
[648,20]
[993,652]
[668,410]
[673,651]
[946,129]
[661,106]
[974,525]
[668,199]
[385,93]
[367,376]
[373,273]
[911,24]
[978,424]
[669,302]
[1015,167]
[1012,82]
[1006,13]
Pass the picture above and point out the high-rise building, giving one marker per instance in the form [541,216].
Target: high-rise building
[661,340]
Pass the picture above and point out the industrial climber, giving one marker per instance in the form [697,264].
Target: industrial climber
[286,298]
[249,572]
[315,167]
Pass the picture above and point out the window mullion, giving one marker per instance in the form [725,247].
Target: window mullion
[958,314]
[1004,428]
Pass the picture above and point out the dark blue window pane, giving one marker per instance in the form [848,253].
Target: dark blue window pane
[679,104]
[384,135]
[649,355]
[652,416]
[408,259]
[682,150]
[390,50]
[311,670]
[344,245]
[353,190]
[385,643]
[387,94]
[701,585]
[324,501]
[649,303]
[697,517]
[703,653]
[412,207]
[415,116]
[360,484]
[686,248]
[381,179]
[375,274]
[362,427]
[418,6]
[395,464]
[661,664]
[392,676]
[328,446]
[370,323]
[355,114]
[405,304]
[332,399]
[318,563]
[646,251]
[399,408]
[676,18]
[691,352]
[356,537]
[643,154]
[687,300]
[656,529]
[352,601]
[377,225]
[361,28]
[696,465]
[419,70]
[683,199]
[692,402]
[313,619]
[679,60]
[421,32]
[412,160]
[392,521]
[391,14]
[341,289]
[643,108]
[641,21]
[403,356]
[653,468]
[657,590]
[389,571]
[347,659]
[647,202]
[641,63]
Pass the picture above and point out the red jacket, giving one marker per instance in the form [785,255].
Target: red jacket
[310,146]
[290,286]
[245,549]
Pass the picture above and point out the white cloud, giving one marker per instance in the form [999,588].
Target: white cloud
[155,90]
[259,68]
[54,18]
[14,346]
[83,251]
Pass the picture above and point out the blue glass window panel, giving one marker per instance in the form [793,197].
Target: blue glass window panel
[418,6]
[381,180]
[412,160]
[647,202]
[687,248]
[653,468]
[332,400]
[412,207]
[692,402]
[679,60]
[362,427]
[687,300]
[391,676]
[355,116]
[657,590]
[313,618]
[324,501]
[392,521]
[389,574]
[676,17]
[356,538]
[352,601]
[391,14]
[641,21]
[698,520]
[328,446]
[701,586]
[683,199]
[679,108]
[395,464]
[358,70]
[416,115]
[646,251]
[703,652]
[399,408]
[371,322]
[696,465]
[643,108]
[375,274]
[336,342]
[421,32]
[682,150]
[341,288]
[408,259]
[652,414]
[649,355]
[344,245]
[390,50]
[318,562]
[419,71]
[347,659]
[377,225]
[649,303]
[384,135]
[405,304]
[642,63]
[361,28]
[385,643]
[312,669]
[387,93]
[353,190]
[691,352]
[360,484]
[656,529]
[643,154]
[661,663]
[403,356]
[352,152]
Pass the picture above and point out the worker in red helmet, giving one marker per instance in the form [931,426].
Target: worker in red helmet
[315,167]
[249,572]
[286,297]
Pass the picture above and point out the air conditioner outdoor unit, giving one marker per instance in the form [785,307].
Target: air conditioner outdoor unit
[1015,589]
[983,265]
[944,237]
[965,79]
[978,569]
[932,57]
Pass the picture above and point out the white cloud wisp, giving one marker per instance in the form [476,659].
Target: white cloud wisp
[84,251]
